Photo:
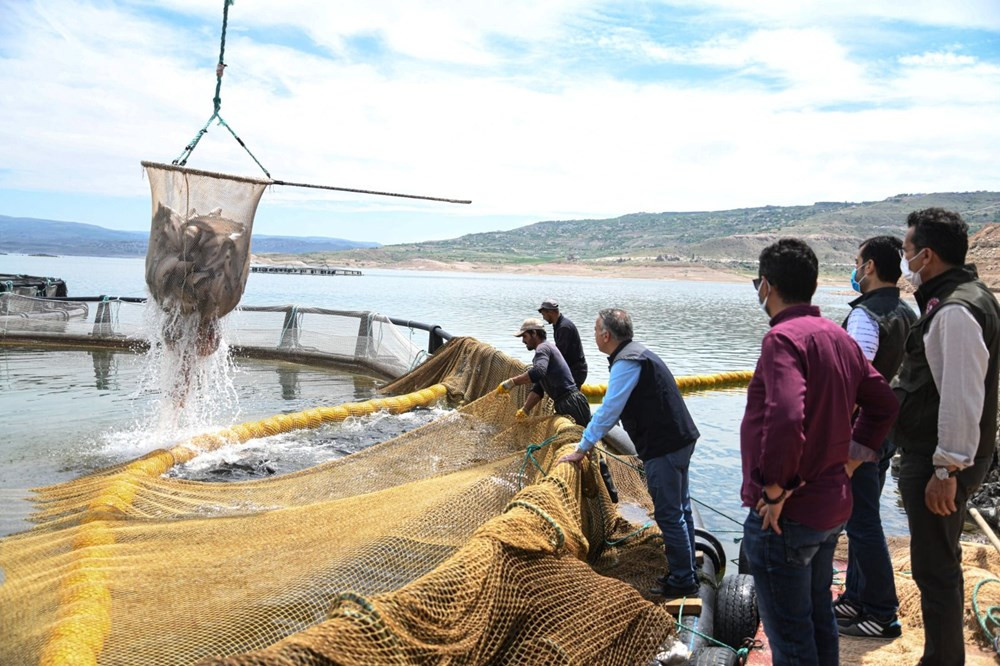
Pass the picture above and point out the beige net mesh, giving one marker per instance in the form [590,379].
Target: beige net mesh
[454,543]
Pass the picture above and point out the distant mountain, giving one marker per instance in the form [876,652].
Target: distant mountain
[727,238]
[30,235]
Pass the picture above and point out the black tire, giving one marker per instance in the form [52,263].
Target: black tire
[714,656]
[736,616]
[744,567]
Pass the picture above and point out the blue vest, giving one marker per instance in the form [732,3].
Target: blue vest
[655,416]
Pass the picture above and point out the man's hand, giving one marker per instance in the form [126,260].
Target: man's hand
[520,415]
[939,496]
[851,466]
[770,513]
[505,386]
[574,458]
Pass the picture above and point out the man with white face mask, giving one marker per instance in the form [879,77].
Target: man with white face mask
[947,388]
[797,444]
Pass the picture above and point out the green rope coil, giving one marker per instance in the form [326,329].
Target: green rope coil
[989,618]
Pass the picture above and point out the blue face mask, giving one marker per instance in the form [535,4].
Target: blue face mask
[854,281]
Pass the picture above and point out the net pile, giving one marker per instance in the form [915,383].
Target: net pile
[459,542]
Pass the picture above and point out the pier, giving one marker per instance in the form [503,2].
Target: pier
[304,270]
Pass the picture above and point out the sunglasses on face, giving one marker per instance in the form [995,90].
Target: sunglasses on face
[756,283]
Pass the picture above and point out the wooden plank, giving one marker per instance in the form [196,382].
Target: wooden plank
[687,605]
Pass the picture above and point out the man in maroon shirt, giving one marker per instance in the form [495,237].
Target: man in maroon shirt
[798,448]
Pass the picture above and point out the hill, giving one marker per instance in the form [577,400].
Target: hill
[729,239]
[31,235]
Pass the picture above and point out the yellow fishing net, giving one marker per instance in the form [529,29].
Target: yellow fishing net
[459,542]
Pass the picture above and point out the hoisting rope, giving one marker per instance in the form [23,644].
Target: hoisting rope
[220,69]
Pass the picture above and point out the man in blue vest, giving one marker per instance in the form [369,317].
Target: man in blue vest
[946,431]
[642,392]
[879,322]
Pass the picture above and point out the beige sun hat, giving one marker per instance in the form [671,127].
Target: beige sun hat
[530,325]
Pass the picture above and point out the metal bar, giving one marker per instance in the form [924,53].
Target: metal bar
[376,192]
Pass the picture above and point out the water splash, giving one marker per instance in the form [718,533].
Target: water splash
[189,374]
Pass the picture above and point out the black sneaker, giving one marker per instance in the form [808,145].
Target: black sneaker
[845,610]
[668,591]
[869,626]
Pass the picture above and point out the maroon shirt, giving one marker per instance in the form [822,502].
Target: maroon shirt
[797,424]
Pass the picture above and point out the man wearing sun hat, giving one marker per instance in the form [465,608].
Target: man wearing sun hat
[548,374]
[567,339]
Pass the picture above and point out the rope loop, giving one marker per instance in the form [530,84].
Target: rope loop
[560,535]
[988,618]
[529,455]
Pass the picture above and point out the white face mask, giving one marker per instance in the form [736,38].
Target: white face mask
[913,277]
[763,303]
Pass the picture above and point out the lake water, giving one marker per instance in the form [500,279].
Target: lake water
[696,327]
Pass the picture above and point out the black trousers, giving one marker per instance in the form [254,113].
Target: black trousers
[936,559]
[574,405]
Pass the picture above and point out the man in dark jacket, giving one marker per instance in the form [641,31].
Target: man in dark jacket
[798,448]
[946,431]
[879,322]
[548,374]
[642,392]
[567,339]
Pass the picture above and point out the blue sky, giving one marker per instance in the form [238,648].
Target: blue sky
[534,110]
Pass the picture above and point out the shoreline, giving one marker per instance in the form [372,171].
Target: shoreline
[624,270]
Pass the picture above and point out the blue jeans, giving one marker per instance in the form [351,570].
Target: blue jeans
[870,582]
[667,481]
[792,574]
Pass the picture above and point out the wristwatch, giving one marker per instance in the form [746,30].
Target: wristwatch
[774,500]
[943,473]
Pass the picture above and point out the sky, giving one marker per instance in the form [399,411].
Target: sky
[554,110]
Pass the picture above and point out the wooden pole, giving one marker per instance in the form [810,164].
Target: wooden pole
[984,526]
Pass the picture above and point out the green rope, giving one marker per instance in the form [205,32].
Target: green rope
[560,535]
[623,461]
[990,617]
[741,654]
[217,102]
[529,454]
[713,509]
[629,536]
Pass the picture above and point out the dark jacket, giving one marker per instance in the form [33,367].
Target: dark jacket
[655,416]
[568,341]
[916,427]
[894,319]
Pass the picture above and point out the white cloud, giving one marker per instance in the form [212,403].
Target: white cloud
[787,115]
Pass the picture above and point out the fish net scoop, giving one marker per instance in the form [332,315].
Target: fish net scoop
[199,244]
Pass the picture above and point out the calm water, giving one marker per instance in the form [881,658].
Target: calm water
[696,327]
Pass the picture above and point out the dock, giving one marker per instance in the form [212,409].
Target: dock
[304,270]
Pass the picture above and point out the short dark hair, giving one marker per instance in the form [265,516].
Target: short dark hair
[540,332]
[616,322]
[941,230]
[884,252]
[790,266]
